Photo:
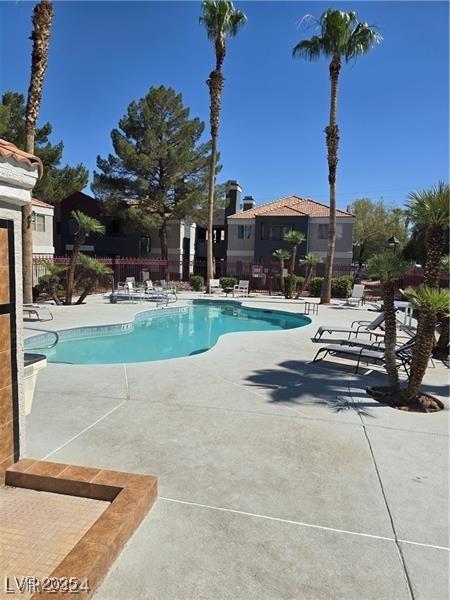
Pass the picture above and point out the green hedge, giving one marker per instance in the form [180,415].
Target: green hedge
[315,286]
[228,282]
[341,287]
[196,282]
[291,283]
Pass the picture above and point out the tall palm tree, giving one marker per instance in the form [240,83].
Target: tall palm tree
[282,255]
[40,36]
[389,268]
[220,18]
[309,261]
[340,35]
[86,225]
[429,211]
[431,302]
[295,238]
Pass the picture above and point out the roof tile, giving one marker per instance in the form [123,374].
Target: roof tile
[289,206]
[9,150]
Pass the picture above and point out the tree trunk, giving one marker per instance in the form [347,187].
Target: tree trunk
[27,233]
[85,293]
[40,36]
[308,275]
[390,337]
[292,260]
[332,137]
[441,349]
[215,85]
[434,246]
[164,249]
[78,242]
[282,285]
[422,351]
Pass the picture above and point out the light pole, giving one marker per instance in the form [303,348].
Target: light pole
[393,242]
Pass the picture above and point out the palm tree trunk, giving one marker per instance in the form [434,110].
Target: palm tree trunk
[434,245]
[292,260]
[332,137]
[422,351]
[282,276]
[42,22]
[390,337]
[305,282]
[441,350]
[215,84]
[79,241]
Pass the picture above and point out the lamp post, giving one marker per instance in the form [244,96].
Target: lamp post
[393,242]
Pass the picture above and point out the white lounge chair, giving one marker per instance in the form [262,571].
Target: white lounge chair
[357,296]
[241,289]
[214,286]
[37,312]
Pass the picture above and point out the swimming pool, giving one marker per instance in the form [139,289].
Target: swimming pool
[163,334]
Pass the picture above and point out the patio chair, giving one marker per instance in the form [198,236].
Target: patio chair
[37,312]
[133,292]
[363,353]
[356,327]
[241,289]
[357,296]
[214,286]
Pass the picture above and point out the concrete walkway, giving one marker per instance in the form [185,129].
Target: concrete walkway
[278,479]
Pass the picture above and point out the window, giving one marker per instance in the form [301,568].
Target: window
[274,232]
[244,232]
[323,231]
[39,223]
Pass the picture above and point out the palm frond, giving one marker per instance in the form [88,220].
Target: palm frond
[388,267]
[86,223]
[220,17]
[427,298]
[309,49]
[430,207]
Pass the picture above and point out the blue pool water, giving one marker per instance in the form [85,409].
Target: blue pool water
[167,334]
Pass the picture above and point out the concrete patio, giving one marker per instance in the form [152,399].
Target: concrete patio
[278,479]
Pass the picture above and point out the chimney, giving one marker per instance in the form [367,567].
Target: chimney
[248,203]
[234,196]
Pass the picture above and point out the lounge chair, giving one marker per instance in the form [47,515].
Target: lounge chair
[241,289]
[159,294]
[37,312]
[356,328]
[357,296]
[214,286]
[363,353]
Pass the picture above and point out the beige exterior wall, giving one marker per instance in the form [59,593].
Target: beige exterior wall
[43,240]
[239,249]
[344,244]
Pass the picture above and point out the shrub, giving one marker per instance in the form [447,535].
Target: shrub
[228,282]
[51,285]
[315,286]
[196,282]
[291,283]
[341,287]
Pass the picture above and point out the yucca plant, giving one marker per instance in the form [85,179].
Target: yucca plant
[282,255]
[86,225]
[430,302]
[295,238]
[309,261]
[91,274]
[429,211]
[389,268]
[220,19]
[340,36]
[40,36]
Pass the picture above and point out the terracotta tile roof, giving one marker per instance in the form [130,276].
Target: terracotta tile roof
[36,202]
[290,206]
[8,150]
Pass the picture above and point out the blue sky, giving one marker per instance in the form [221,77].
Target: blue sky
[393,103]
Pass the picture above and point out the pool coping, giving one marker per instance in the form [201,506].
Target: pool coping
[130,495]
[71,333]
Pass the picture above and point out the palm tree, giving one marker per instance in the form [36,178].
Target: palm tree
[429,211]
[93,273]
[282,255]
[220,19]
[40,36]
[86,225]
[309,262]
[340,35]
[295,238]
[389,268]
[431,302]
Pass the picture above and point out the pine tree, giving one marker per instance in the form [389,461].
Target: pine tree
[159,170]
